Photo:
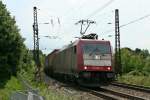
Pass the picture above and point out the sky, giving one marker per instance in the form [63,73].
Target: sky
[135,35]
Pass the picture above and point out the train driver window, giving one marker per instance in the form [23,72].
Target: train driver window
[74,49]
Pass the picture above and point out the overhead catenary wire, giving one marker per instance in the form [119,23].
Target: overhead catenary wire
[131,22]
[100,9]
[136,20]
[80,4]
[52,18]
[92,14]
[55,21]
[105,14]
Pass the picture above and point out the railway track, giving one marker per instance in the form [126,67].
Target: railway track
[104,92]
[134,87]
[111,94]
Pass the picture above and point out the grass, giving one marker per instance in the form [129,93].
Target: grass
[135,79]
[56,94]
[45,91]
[15,85]
[53,94]
[12,85]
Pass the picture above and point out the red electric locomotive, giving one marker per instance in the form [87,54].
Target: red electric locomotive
[89,62]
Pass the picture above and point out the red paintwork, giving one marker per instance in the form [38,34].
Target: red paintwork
[79,56]
[96,68]
[80,64]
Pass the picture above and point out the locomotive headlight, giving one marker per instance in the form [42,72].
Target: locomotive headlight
[85,67]
[108,68]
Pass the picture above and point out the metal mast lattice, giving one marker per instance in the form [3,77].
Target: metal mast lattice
[118,67]
[36,43]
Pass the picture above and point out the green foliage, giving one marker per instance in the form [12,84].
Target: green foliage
[53,94]
[42,60]
[126,63]
[12,85]
[14,56]
[28,62]
[28,67]
[11,45]
[146,68]
[135,61]
[135,79]
[28,74]
[44,90]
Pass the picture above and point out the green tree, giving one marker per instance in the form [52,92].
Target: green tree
[126,60]
[135,61]
[146,68]
[11,44]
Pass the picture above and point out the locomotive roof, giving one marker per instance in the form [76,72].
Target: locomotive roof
[81,40]
[89,40]
[75,43]
[54,51]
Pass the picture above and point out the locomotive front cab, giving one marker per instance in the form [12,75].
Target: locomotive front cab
[97,55]
[97,61]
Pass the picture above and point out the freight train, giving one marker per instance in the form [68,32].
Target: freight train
[85,61]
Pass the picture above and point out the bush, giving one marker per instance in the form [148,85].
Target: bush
[135,79]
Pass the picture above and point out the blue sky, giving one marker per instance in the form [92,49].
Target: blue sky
[136,35]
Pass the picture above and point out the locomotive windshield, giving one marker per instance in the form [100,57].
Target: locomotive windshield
[96,49]
[97,54]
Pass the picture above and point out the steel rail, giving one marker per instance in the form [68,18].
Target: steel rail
[104,93]
[134,87]
[98,93]
[110,94]
[120,94]
[90,91]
